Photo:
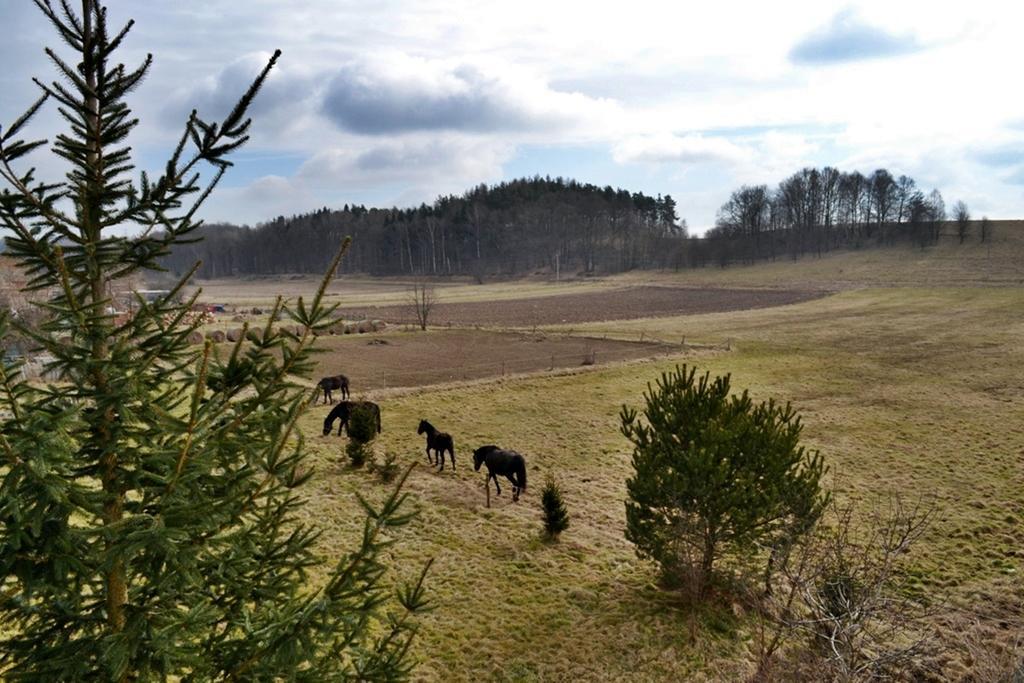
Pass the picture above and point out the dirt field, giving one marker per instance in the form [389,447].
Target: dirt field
[411,359]
[623,304]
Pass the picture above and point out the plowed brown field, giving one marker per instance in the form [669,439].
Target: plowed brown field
[619,304]
[425,358]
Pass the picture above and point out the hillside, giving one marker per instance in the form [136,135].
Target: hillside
[907,387]
[512,227]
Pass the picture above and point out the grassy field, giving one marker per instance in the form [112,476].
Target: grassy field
[997,263]
[357,292]
[909,390]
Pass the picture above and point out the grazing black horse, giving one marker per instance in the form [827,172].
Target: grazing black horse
[507,463]
[343,410]
[439,441]
[329,384]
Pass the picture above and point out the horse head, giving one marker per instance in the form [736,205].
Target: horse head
[424,426]
[481,453]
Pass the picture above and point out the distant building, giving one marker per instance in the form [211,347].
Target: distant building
[152,294]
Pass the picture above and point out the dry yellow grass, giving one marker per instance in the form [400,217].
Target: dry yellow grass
[361,292]
[911,383]
[916,391]
[997,263]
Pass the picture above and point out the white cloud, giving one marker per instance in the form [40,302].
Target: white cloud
[399,99]
[437,161]
[682,149]
[395,93]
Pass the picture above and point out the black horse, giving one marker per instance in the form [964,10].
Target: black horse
[439,442]
[343,410]
[507,463]
[329,384]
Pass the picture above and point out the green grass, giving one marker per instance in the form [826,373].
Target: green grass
[914,391]
[998,263]
[910,381]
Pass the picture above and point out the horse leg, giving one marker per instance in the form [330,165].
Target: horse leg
[430,458]
[515,488]
[497,487]
[451,452]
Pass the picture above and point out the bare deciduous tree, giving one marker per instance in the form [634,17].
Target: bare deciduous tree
[963,220]
[422,298]
[986,229]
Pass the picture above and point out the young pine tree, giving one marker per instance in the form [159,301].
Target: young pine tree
[362,430]
[148,499]
[714,470]
[556,517]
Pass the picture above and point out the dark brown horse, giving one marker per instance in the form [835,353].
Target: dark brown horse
[343,410]
[439,442]
[329,384]
[509,464]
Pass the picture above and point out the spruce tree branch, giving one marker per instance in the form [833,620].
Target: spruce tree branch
[302,343]
[56,219]
[346,573]
[197,395]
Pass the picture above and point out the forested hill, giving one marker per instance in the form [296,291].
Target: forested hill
[513,227]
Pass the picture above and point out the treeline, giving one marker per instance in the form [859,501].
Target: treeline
[511,228]
[817,210]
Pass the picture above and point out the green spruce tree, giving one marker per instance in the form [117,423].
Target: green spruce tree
[714,470]
[148,498]
[362,430]
[556,516]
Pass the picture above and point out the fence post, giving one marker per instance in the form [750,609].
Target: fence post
[502,368]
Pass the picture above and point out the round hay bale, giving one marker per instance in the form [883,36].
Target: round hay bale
[234,334]
[216,336]
[238,319]
[378,325]
[255,334]
[195,337]
[350,328]
[257,311]
[364,326]
[66,340]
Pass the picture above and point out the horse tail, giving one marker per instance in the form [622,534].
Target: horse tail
[377,410]
[522,474]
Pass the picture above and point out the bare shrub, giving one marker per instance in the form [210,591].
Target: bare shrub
[844,601]
[421,299]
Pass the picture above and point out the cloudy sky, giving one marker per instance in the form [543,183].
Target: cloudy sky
[392,102]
